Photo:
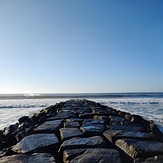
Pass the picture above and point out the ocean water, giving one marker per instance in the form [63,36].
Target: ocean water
[147,105]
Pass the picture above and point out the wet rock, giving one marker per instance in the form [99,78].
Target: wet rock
[79,120]
[2,145]
[66,109]
[155,159]
[113,135]
[51,114]
[128,116]
[102,109]
[69,154]
[29,158]
[71,124]
[139,120]
[93,121]
[62,116]
[10,140]
[121,113]
[126,128]
[98,155]
[117,120]
[106,119]
[98,110]
[8,131]
[140,149]
[88,115]
[20,135]
[6,152]
[92,129]
[52,108]
[90,142]
[25,126]
[81,110]
[38,118]
[67,133]
[49,127]
[36,143]
[25,119]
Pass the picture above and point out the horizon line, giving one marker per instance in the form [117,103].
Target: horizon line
[37,93]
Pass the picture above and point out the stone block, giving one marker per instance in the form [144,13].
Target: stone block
[36,143]
[89,142]
[29,158]
[117,120]
[140,149]
[98,155]
[106,119]
[93,129]
[49,127]
[69,154]
[113,135]
[155,159]
[71,124]
[62,116]
[93,121]
[67,133]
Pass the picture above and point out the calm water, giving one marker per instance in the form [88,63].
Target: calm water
[148,105]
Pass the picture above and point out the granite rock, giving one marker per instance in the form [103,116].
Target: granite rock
[36,143]
[49,127]
[98,155]
[89,142]
[140,149]
[29,158]
[70,154]
[67,133]
[92,129]
[113,135]
[71,124]
[155,159]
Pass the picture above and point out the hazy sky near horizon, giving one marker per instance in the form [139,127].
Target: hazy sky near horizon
[73,46]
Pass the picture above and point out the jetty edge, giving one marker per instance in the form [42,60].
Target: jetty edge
[81,131]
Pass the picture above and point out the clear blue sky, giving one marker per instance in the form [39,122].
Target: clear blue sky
[75,46]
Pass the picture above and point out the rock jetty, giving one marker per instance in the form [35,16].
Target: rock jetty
[81,131]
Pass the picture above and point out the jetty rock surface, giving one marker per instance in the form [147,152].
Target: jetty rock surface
[81,131]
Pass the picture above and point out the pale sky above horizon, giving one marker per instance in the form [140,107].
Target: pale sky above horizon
[86,46]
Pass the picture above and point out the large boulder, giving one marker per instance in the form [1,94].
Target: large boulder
[37,143]
[89,142]
[155,159]
[71,124]
[8,135]
[49,127]
[93,129]
[113,135]
[70,154]
[98,155]
[140,149]
[67,133]
[28,158]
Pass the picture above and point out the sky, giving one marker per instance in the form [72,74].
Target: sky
[81,46]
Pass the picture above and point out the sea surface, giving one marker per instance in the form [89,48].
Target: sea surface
[147,105]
